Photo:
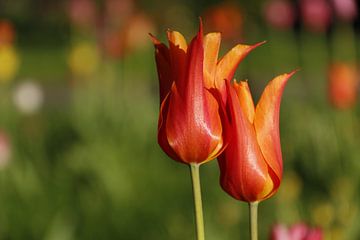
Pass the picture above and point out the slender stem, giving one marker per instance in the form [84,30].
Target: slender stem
[195,177]
[253,220]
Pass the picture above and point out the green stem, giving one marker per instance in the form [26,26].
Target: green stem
[195,177]
[253,220]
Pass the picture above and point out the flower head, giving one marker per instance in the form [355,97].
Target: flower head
[299,231]
[343,85]
[190,127]
[251,165]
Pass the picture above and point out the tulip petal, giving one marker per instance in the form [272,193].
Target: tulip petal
[193,123]
[266,124]
[162,137]
[227,65]
[245,98]
[178,49]
[211,51]
[244,171]
[162,59]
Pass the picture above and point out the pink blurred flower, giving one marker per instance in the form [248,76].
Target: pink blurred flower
[117,11]
[345,9]
[5,149]
[279,13]
[299,231]
[316,14]
[82,13]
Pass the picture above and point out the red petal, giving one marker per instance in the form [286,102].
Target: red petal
[243,169]
[193,124]
[162,137]
[162,58]
[266,124]
[178,49]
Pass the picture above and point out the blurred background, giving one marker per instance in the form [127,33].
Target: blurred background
[78,118]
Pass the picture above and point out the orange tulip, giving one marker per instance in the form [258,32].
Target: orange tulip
[251,165]
[343,85]
[190,127]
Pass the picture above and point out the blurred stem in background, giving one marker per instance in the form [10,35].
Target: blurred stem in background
[253,209]
[195,177]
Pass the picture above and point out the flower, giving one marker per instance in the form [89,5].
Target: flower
[9,63]
[299,231]
[342,85]
[191,78]
[84,52]
[28,97]
[82,13]
[346,10]
[7,33]
[316,14]
[285,20]
[5,149]
[226,18]
[251,165]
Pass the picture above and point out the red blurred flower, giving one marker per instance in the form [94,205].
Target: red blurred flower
[112,43]
[5,149]
[226,18]
[82,13]
[251,165]
[298,231]
[190,126]
[316,14]
[345,9]
[280,14]
[343,85]
[118,11]
[7,33]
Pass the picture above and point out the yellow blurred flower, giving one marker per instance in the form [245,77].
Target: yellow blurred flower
[9,63]
[84,59]
[323,214]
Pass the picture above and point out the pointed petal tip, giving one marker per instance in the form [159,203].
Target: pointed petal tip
[258,44]
[154,39]
[290,74]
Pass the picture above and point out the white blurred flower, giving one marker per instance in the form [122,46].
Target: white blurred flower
[28,97]
[5,150]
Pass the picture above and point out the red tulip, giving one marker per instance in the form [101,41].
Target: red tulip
[298,231]
[190,127]
[343,85]
[251,165]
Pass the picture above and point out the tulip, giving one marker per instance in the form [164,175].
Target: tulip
[298,231]
[251,165]
[190,126]
[5,150]
[192,120]
[316,14]
[226,18]
[7,33]
[343,85]
[285,20]
[346,10]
